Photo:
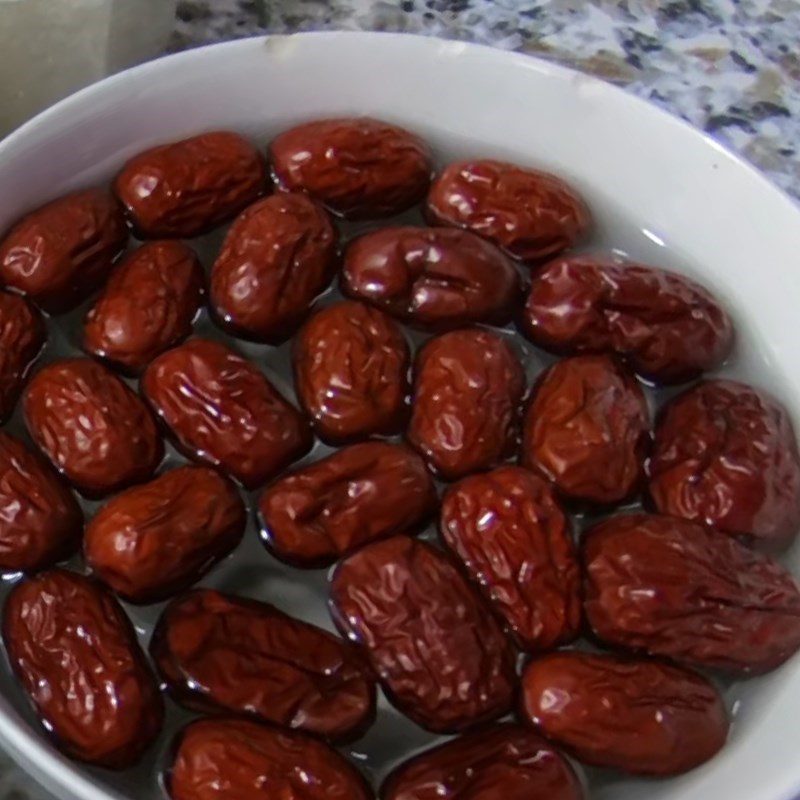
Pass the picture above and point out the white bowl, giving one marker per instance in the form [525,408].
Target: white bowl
[661,191]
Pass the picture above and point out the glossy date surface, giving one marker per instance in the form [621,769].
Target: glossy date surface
[22,336]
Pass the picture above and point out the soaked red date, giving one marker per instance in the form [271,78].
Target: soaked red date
[587,429]
[438,651]
[357,167]
[22,336]
[505,761]
[279,254]
[75,653]
[359,494]
[637,716]
[233,759]
[40,521]
[157,539]
[217,652]
[182,189]
[91,426]
[433,277]
[60,253]
[467,390]
[148,305]
[532,215]
[673,588]
[221,410]
[516,544]
[351,372]
[726,455]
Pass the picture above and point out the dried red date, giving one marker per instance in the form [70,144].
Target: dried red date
[217,652]
[530,214]
[438,651]
[75,653]
[232,759]
[467,391]
[60,253]
[93,428]
[505,761]
[185,188]
[726,455]
[148,305]
[357,167]
[673,588]
[22,336]
[40,521]
[667,328]
[156,539]
[433,277]
[516,544]
[587,429]
[359,494]
[351,372]
[637,716]
[221,410]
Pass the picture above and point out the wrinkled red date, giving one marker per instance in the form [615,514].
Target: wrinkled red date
[359,494]
[351,372]
[673,588]
[148,305]
[40,521]
[587,429]
[221,410]
[516,544]
[217,653]
[22,336]
[438,651]
[279,254]
[158,538]
[505,761]
[530,214]
[233,759]
[637,716]
[75,653]
[666,327]
[433,277]
[91,426]
[467,390]
[357,167]
[185,188]
[60,253]
[725,454]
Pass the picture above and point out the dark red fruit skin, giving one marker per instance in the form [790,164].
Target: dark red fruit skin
[436,278]
[725,454]
[438,651]
[359,494]
[22,336]
[75,653]
[278,255]
[222,411]
[669,587]
[503,761]
[587,429]
[668,328]
[357,167]
[157,539]
[60,253]
[92,427]
[220,653]
[147,306]
[516,544]
[531,215]
[468,388]
[233,759]
[351,367]
[40,520]
[182,189]
[637,716]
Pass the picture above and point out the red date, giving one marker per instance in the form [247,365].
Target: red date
[22,336]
